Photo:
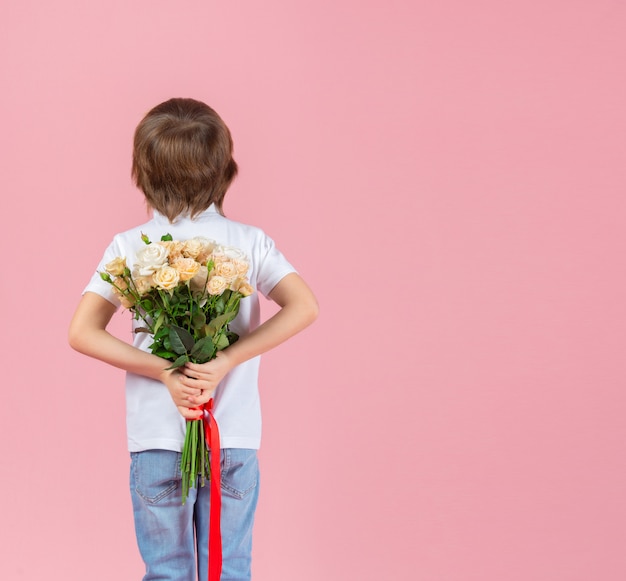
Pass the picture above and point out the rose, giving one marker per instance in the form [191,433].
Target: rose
[120,288]
[205,255]
[186,267]
[226,269]
[116,267]
[192,248]
[150,258]
[241,266]
[143,284]
[242,286]
[198,248]
[166,278]
[126,301]
[230,253]
[174,249]
[216,285]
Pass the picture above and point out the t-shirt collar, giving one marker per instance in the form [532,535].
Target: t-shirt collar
[161,219]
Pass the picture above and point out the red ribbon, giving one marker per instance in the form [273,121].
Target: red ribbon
[212,436]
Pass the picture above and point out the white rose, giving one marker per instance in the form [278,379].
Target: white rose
[151,258]
[231,253]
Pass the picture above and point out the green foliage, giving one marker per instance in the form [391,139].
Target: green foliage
[192,333]
[179,362]
[181,340]
[198,320]
[204,350]
[187,326]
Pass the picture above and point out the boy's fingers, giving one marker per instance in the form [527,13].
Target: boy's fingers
[191,390]
[189,414]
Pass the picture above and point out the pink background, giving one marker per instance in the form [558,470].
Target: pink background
[449,177]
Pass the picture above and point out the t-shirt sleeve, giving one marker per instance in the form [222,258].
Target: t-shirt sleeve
[99,286]
[272,266]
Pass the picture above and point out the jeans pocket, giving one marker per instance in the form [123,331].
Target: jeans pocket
[156,474]
[240,472]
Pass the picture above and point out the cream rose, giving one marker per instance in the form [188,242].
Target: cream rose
[151,258]
[198,248]
[126,301]
[175,249]
[186,267]
[166,278]
[143,284]
[116,267]
[120,288]
[205,256]
[245,289]
[216,285]
[241,266]
[226,269]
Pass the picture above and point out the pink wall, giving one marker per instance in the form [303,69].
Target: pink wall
[449,176]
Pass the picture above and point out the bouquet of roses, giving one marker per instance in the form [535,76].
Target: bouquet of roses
[185,293]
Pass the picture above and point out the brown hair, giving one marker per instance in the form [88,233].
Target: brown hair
[183,158]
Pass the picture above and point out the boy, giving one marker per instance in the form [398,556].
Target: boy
[183,164]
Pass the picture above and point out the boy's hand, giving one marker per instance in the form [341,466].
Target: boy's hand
[186,392]
[207,376]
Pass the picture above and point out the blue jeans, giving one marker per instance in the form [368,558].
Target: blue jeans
[172,538]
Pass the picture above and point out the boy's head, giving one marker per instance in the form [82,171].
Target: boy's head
[183,158]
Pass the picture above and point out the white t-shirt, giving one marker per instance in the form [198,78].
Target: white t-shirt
[152,419]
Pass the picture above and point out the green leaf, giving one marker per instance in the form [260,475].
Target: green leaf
[220,305]
[203,350]
[218,322]
[198,320]
[165,354]
[159,321]
[179,362]
[166,237]
[181,340]
[161,334]
[222,343]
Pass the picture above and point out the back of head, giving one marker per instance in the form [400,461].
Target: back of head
[183,158]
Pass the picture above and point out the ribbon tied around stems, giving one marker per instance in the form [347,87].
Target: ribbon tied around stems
[212,436]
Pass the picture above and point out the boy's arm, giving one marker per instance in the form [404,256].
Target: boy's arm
[298,309]
[88,335]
